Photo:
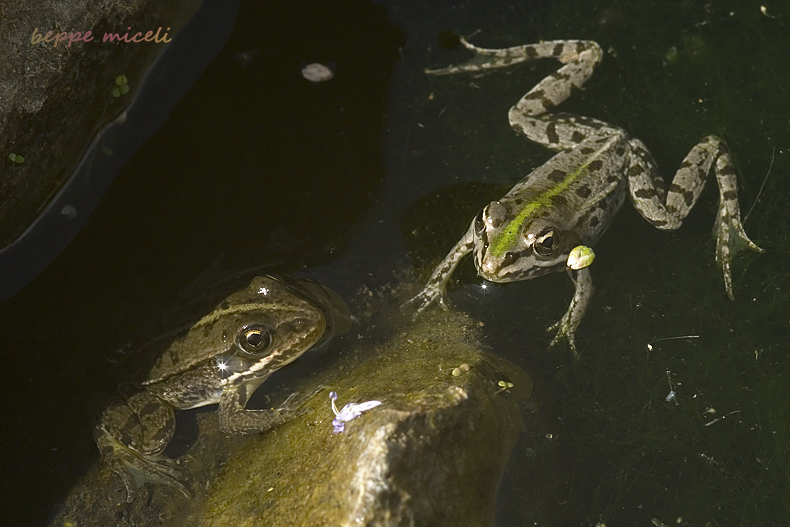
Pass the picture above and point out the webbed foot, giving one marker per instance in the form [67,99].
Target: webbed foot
[565,332]
[294,403]
[136,468]
[730,239]
[425,298]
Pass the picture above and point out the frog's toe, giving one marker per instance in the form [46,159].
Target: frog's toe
[445,303]
[727,247]
[563,333]
[294,403]
[731,238]
[424,300]
[144,469]
[751,245]
[415,304]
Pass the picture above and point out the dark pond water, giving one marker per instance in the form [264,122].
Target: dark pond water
[354,180]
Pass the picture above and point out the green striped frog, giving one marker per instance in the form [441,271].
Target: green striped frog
[571,200]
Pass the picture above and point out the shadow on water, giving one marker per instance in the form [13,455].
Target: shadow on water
[256,166]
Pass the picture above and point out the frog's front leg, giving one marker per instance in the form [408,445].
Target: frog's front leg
[667,209]
[436,288]
[235,418]
[579,271]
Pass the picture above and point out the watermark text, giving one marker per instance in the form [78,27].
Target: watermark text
[70,37]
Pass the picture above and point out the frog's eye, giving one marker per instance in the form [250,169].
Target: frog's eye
[480,225]
[547,243]
[493,215]
[254,338]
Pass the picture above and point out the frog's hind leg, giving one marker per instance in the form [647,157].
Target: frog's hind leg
[578,56]
[730,235]
[131,438]
[565,51]
[667,209]
[561,131]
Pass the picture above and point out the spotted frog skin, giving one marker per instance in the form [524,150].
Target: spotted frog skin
[222,359]
[572,198]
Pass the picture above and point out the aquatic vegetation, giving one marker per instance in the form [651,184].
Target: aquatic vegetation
[121,86]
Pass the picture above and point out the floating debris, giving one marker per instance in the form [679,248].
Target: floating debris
[69,211]
[316,72]
[244,58]
[764,11]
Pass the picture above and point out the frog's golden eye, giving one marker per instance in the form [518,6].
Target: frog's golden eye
[254,338]
[547,243]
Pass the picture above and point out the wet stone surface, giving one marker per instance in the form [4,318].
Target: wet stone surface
[433,452]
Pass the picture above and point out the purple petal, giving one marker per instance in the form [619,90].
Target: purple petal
[350,412]
[339,426]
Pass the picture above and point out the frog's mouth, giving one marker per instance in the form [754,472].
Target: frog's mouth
[517,266]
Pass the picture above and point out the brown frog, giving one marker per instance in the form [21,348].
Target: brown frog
[221,359]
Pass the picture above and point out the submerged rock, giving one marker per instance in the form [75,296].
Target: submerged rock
[432,453]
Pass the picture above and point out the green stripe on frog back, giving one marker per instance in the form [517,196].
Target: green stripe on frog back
[507,238]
